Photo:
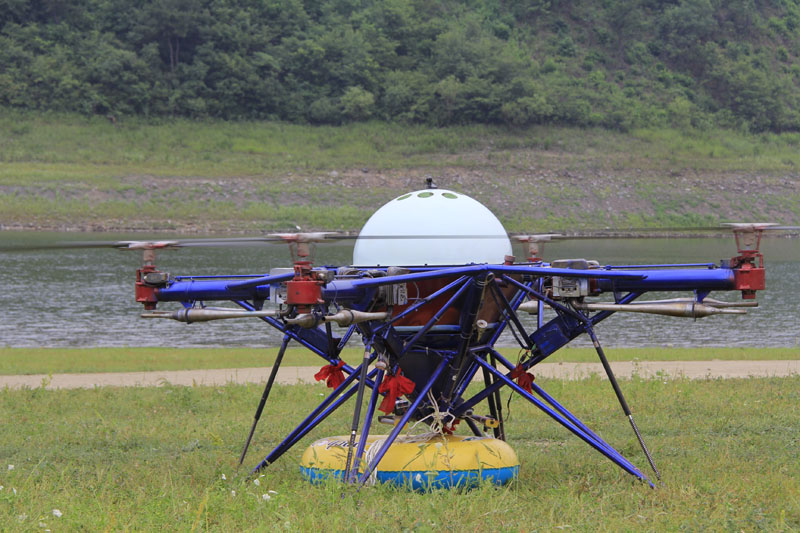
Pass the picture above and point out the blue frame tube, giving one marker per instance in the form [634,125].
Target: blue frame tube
[616,458]
[469,316]
[295,337]
[362,379]
[265,280]
[228,277]
[320,413]
[354,289]
[540,307]
[555,404]
[346,337]
[403,421]
[194,290]
[470,374]
[434,319]
[594,319]
[496,269]
[674,280]
[542,298]
[422,302]
[550,400]
[668,265]
[271,457]
[512,315]
[362,441]
[515,302]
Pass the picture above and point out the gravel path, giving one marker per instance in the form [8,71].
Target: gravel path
[305,374]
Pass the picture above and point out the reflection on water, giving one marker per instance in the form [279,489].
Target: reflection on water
[84,297]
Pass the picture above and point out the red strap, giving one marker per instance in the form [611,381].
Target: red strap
[524,379]
[449,429]
[394,387]
[332,374]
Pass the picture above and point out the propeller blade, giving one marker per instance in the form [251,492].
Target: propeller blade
[210,242]
[326,236]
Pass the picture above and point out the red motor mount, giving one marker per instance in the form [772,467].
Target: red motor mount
[748,266]
[305,289]
[148,279]
[145,292]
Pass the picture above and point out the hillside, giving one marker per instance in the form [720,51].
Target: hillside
[70,173]
[615,64]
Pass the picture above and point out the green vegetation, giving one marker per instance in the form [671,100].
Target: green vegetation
[64,148]
[79,360]
[164,458]
[64,171]
[612,64]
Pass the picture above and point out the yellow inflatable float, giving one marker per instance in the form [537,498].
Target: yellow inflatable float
[420,462]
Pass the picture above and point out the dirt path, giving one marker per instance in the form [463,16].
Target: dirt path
[304,374]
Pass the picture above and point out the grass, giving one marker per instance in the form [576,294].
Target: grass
[78,360]
[164,458]
[62,170]
[60,147]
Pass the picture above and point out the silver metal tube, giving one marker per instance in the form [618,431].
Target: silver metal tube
[345,317]
[207,314]
[680,309]
[531,307]
[706,301]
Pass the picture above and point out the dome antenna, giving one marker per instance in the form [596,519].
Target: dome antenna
[429,184]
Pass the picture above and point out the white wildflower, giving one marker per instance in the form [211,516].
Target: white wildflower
[256,482]
[57,513]
[233,493]
[265,497]
[10,467]
[1,487]
[15,491]
[223,477]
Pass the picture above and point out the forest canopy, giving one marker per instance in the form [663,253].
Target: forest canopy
[617,64]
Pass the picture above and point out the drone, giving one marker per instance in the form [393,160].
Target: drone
[432,286]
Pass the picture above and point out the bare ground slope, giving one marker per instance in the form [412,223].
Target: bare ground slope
[528,190]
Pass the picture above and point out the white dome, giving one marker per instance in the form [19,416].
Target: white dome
[443,228]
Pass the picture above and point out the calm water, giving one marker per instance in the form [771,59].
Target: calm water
[81,298]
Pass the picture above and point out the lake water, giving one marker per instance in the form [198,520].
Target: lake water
[84,297]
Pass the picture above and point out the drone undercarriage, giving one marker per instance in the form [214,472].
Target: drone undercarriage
[429,331]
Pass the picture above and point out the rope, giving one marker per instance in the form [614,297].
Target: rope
[369,455]
[437,427]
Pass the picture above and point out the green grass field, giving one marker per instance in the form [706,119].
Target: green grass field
[112,459]
[78,360]
[64,147]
